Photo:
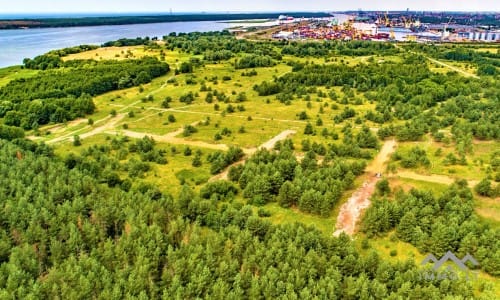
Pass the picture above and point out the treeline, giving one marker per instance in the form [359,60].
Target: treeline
[223,46]
[220,46]
[62,95]
[438,224]
[363,48]
[364,77]
[73,50]
[279,177]
[11,132]
[129,42]
[327,48]
[254,61]
[66,236]
[52,59]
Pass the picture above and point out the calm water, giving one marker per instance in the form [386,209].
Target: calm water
[15,45]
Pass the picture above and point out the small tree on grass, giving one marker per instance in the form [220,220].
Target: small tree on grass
[309,129]
[197,160]
[483,188]
[189,130]
[383,187]
[76,141]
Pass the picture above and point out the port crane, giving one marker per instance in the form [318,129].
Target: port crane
[445,35]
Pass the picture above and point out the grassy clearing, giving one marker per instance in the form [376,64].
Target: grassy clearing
[477,162]
[280,215]
[406,184]
[118,53]
[489,209]
[168,177]
[179,170]
[404,251]
[13,73]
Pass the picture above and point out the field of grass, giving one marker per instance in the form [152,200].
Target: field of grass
[404,251]
[110,53]
[12,73]
[396,183]
[280,215]
[168,177]
[477,161]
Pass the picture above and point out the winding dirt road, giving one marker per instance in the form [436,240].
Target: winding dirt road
[269,145]
[107,126]
[350,212]
[170,138]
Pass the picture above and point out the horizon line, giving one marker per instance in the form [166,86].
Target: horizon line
[238,11]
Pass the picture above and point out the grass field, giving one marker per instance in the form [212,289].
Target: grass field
[477,161]
[402,251]
[110,53]
[12,73]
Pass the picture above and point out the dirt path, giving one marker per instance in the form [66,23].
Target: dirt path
[61,127]
[466,74]
[435,178]
[205,113]
[171,139]
[269,145]
[107,126]
[377,164]
[350,212]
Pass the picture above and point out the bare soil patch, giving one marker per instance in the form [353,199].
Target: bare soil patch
[350,212]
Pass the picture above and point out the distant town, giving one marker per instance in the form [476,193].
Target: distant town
[386,26]
[351,25]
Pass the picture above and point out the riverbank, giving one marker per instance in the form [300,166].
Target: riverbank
[44,22]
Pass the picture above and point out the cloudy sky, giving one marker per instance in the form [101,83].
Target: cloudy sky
[82,6]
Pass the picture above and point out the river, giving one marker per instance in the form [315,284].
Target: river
[17,44]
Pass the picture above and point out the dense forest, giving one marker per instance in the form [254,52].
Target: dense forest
[64,92]
[64,235]
[312,187]
[438,225]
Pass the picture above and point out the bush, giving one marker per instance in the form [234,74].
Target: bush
[76,141]
[484,188]
[189,130]
[263,213]
[221,188]
[382,187]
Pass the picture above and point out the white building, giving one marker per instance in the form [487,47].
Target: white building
[366,28]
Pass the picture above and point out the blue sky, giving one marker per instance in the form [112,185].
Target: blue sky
[76,6]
